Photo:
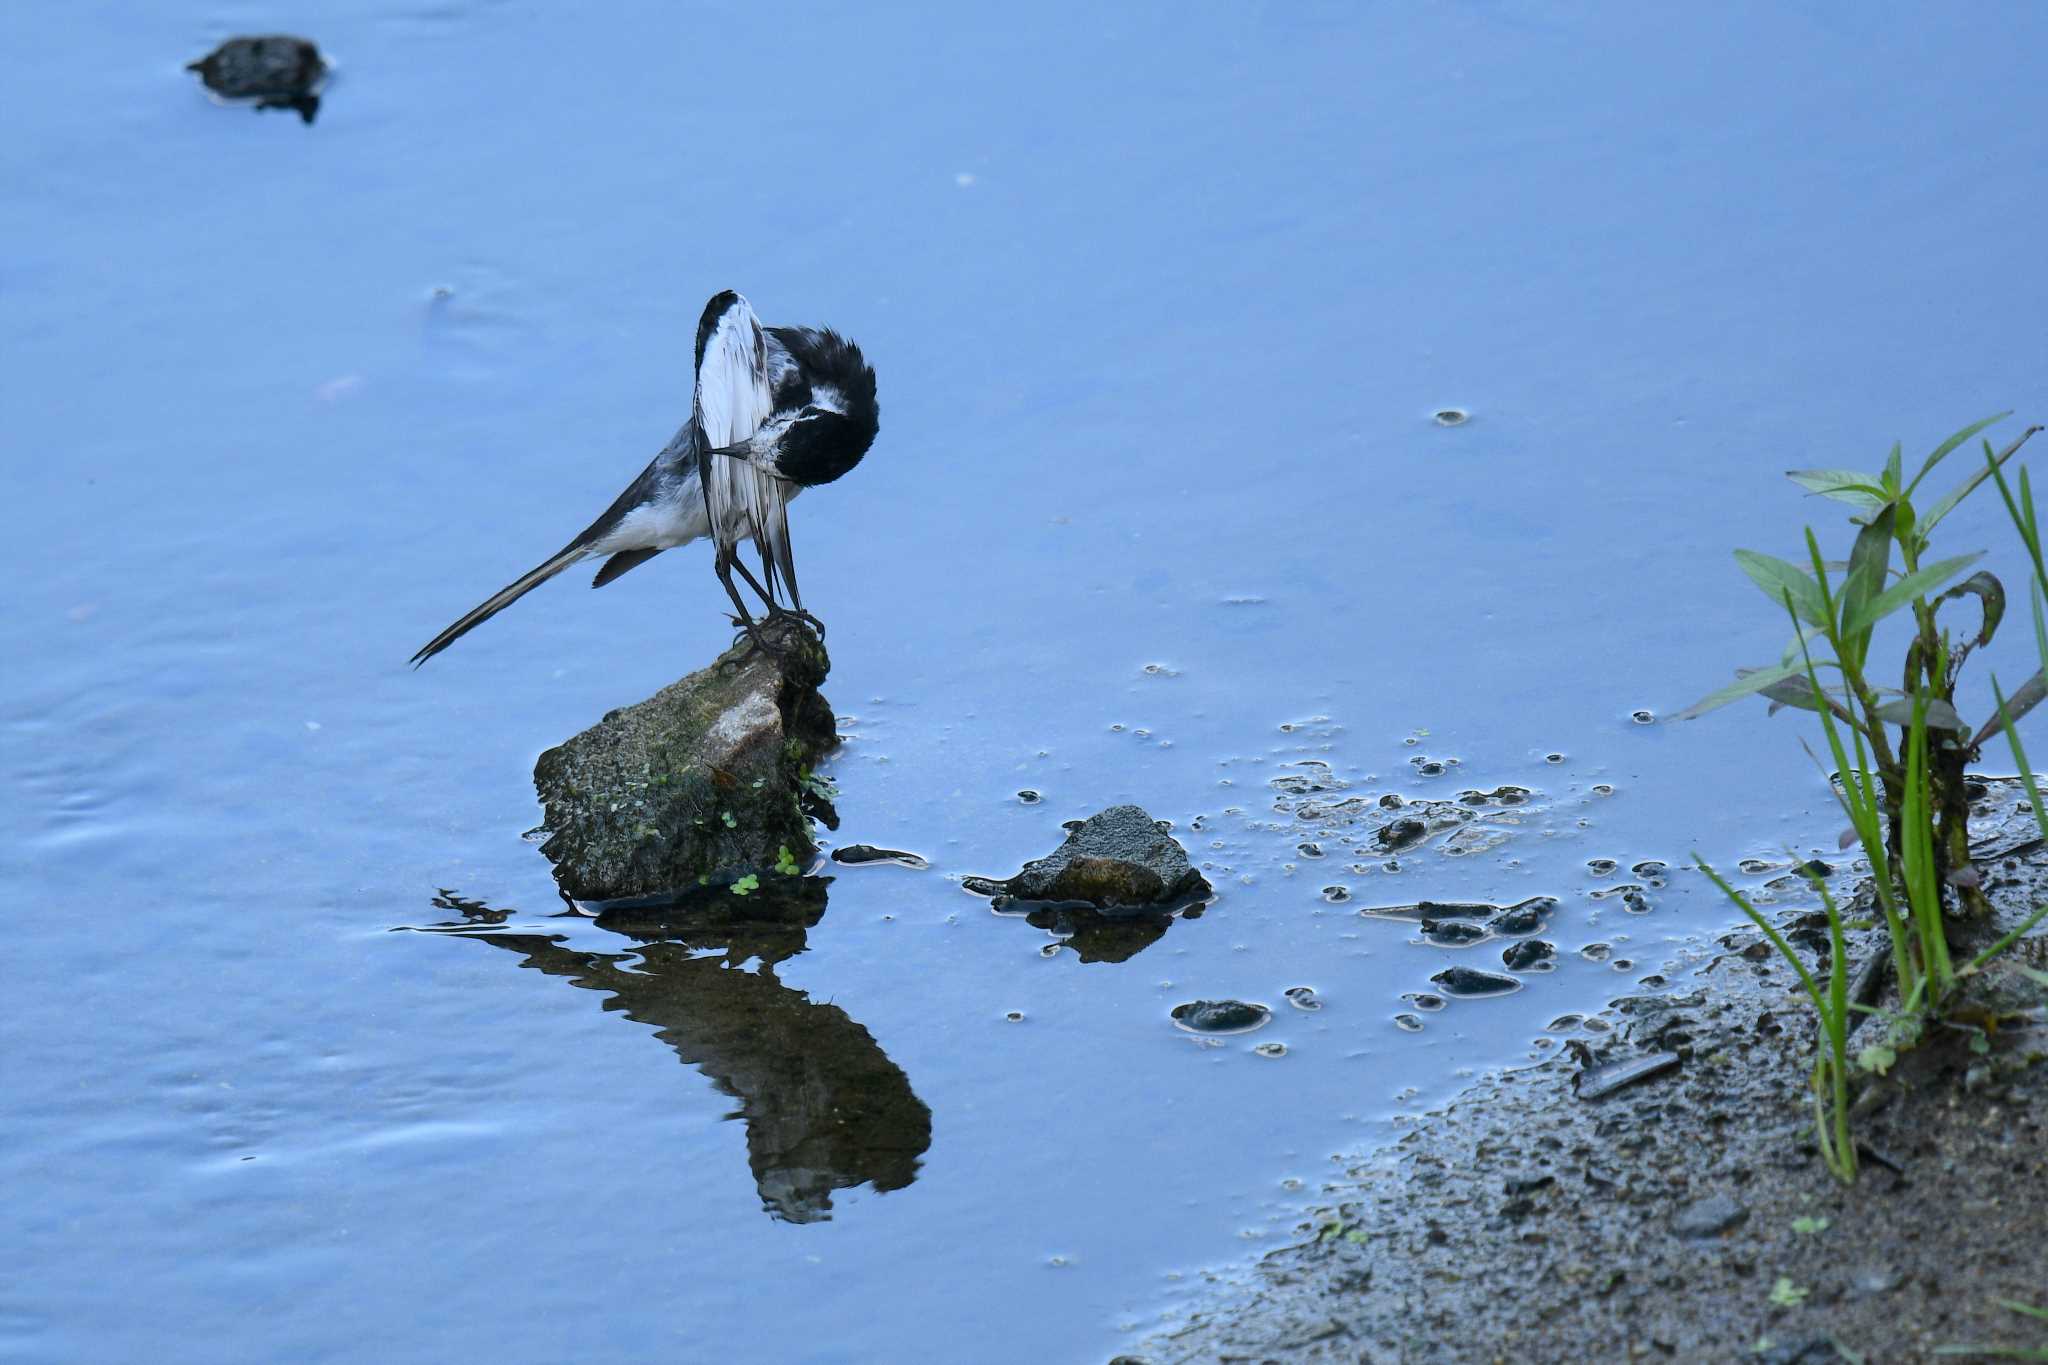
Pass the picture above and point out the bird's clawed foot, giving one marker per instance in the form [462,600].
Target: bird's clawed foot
[757,639]
[801,617]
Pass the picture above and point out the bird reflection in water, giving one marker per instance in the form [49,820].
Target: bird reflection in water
[824,1106]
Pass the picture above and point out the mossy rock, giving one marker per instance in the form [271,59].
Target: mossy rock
[707,780]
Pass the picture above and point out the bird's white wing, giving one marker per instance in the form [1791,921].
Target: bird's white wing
[733,400]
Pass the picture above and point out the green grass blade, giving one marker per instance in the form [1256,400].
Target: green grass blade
[1969,485]
[1942,451]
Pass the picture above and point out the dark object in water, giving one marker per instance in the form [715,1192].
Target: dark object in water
[1120,858]
[1453,933]
[860,855]
[1531,954]
[1097,936]
[1523,917]
[1221,1016]
[276,71]
[1399,834]
[1598,1082]
[1471,984]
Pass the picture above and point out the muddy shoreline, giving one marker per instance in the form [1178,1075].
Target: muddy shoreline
[1687,1216]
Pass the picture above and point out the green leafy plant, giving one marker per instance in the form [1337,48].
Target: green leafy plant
[1873,589]
[1899,753]
[1830,1079]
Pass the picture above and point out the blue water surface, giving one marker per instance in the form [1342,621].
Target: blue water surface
[1163,299]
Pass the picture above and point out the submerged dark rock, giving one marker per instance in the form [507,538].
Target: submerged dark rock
[1531,954]
[1453,933]
[1119,859]
[1221,1016]
[708,779]
[862,855]
[275,71]
[1471,983]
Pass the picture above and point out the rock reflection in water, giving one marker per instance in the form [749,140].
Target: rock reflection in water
[824,1106]
[1098,937]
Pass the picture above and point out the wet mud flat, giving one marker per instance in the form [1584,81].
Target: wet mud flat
[1686,1215]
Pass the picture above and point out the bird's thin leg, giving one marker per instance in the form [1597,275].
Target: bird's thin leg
[796,599]
[744,619]
[774,608]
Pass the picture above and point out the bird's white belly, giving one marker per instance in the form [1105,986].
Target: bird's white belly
[658,525]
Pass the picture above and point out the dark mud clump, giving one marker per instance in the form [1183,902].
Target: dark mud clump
[867,855]
[1469,983]
[276,71]
[1454,933]
[1529,955]
[1221,1016]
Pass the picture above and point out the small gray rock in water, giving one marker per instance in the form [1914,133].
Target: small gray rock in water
[1708,1217]
[1473,983]
[1221,1016]
[1119,859]
[276,71]
[703,780]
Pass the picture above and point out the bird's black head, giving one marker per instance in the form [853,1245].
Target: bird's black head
[839,425]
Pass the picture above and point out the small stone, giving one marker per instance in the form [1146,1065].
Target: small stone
[1708,1217]
[1531,954]
[1400,834]
[1470,983]
[1120,858]
[1525,917]
[1220,1016]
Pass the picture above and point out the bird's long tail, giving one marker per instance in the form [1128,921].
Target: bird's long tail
[504,597]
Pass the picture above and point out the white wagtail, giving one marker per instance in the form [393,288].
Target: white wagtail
[777,410]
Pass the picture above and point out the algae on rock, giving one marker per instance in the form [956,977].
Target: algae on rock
[709,778]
